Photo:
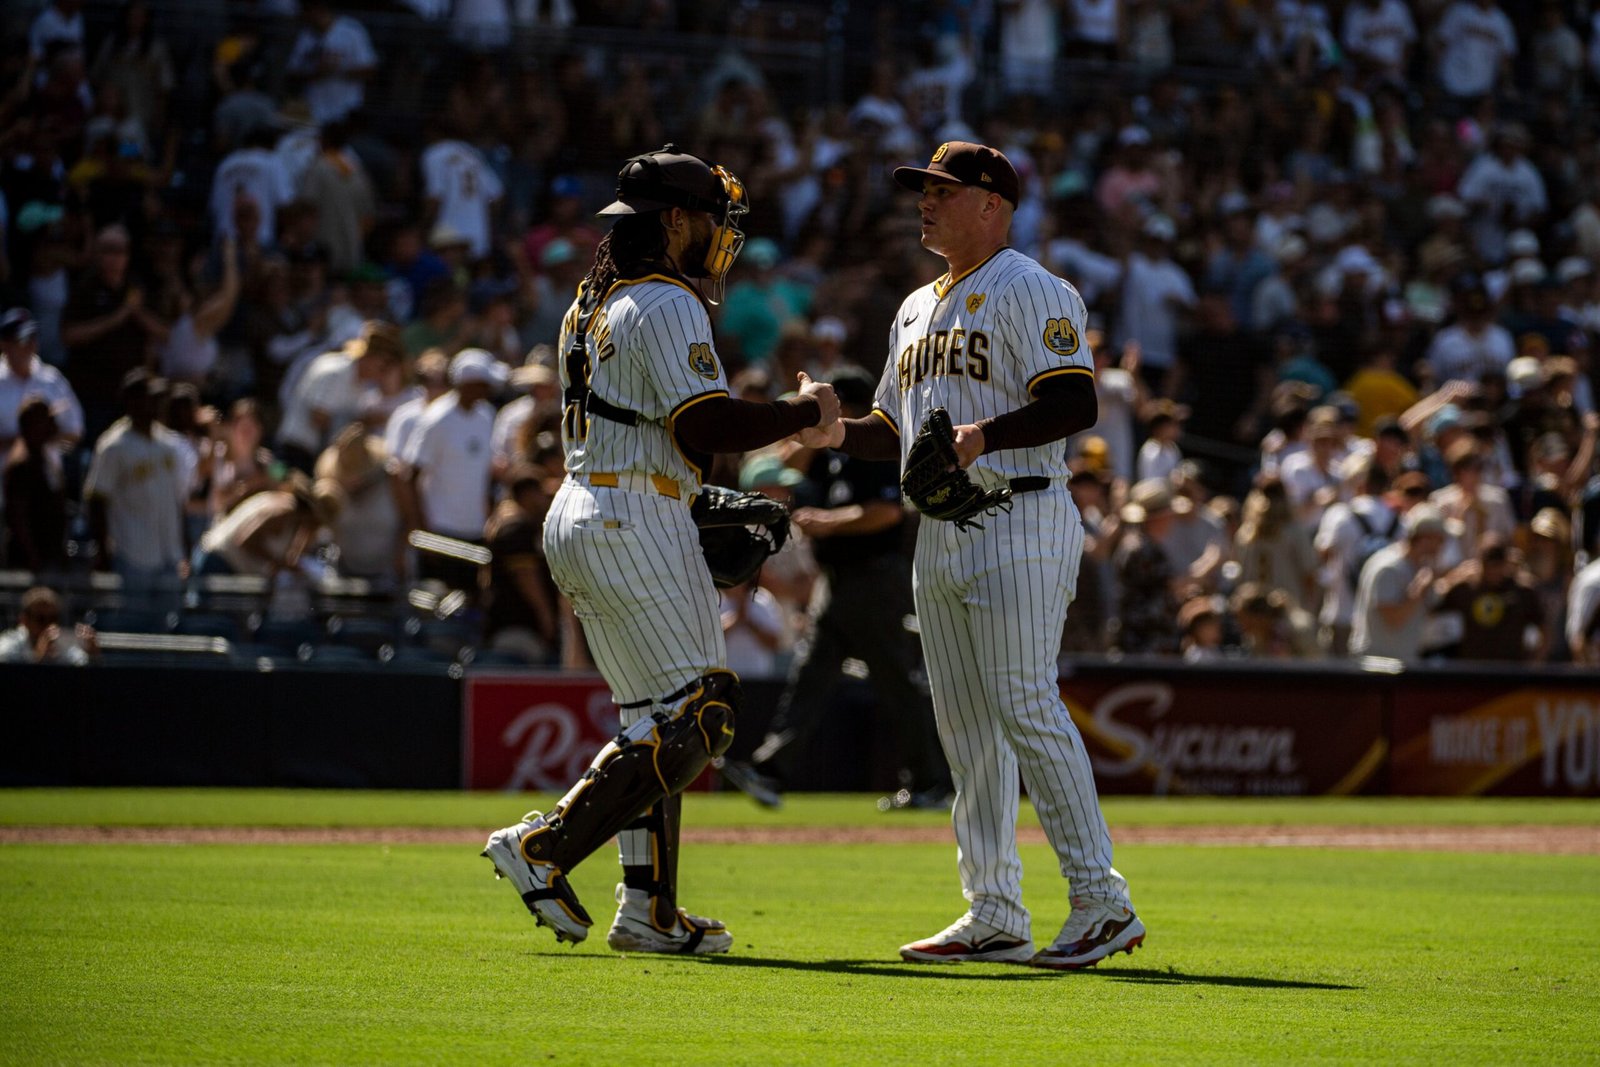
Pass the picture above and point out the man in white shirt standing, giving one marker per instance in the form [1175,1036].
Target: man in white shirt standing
[462,191]
[135,492]
[1583,615]
[1379,34]
[24,375]
[445,477]
[1503,189]
[335,56]
[336,389]
[1155,293]
[1475,43]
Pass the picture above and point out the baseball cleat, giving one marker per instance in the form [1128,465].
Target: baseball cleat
[632,930]
[1092,932]
[543,888]
[969,941]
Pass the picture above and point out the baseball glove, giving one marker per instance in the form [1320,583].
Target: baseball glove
[738,531]
[934,481]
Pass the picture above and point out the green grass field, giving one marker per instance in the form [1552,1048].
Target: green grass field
[124,954]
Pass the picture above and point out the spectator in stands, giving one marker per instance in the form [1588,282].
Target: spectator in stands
[335,391]
[367,531]
[107,329]
[1350,533]
[522,609]
[38,637]
[760,303]
[1274,547]
[136,60]
[1477,507]
[442,321]
[1155,294]
[1270,625]
[754,630]
[1200,624]
[34,496]
[1146,610]
[1502,188]
[256,174]
[1474,345]
[1398,588]
[335,58]
[444,478]
[240,465]
[1493,602]
[432,373]
[462,191]
[271,532]
[60,23]
[23,376]
[189,353]
[1379,34]
[1159,456]
[1311,477]
[135,492]
[541,401]
[1474,43]
[337,182]
[1583,616]
[1198,545]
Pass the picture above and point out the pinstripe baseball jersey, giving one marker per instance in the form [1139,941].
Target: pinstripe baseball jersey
[979,346]
[649,349]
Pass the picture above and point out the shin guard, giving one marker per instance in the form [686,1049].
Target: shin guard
[654,758]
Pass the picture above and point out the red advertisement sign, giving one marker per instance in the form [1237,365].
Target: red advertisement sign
[1454,739]
[532,732]
[1217,736]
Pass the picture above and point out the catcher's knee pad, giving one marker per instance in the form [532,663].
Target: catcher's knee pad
[655,757]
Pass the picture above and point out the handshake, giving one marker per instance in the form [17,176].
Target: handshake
[829,431]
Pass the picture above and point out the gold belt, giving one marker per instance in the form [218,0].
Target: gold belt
[637,482]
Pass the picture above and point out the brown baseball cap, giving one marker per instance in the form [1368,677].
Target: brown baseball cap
[966,164]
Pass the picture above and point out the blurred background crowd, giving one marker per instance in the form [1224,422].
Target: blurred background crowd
[285,280]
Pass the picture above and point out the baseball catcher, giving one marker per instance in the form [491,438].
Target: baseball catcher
[934,481]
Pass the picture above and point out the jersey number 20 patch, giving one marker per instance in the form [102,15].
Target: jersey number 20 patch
[704,362]
[1060,337]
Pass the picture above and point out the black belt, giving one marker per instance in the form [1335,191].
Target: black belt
[1030,484]
[668,699]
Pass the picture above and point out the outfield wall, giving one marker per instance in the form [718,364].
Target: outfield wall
[1152,727]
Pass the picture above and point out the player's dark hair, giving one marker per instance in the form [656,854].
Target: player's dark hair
[637,244]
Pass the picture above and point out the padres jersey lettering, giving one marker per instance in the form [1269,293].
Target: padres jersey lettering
[979,346]
[648,349]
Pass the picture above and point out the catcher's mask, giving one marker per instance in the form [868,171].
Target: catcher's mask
[670,177]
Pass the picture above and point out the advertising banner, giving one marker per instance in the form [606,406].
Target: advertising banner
[1458,739]
[1195,734]
[532,732]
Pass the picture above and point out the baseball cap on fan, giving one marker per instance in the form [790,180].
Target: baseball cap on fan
[17,325]
[475,365]
[965,163]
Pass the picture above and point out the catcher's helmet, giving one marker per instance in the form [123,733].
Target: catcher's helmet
[670,177]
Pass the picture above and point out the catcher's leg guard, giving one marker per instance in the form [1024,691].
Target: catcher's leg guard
[660,878]
[654,758]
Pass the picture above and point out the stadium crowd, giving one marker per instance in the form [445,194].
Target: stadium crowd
[281,299]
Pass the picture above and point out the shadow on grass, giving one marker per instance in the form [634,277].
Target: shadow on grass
[983,972]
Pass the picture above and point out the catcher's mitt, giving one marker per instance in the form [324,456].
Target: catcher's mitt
[934,481]
[738,531]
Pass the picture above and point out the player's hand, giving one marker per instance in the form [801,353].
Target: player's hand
[823,393]
[829,436]
[813,522]
[969,444]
